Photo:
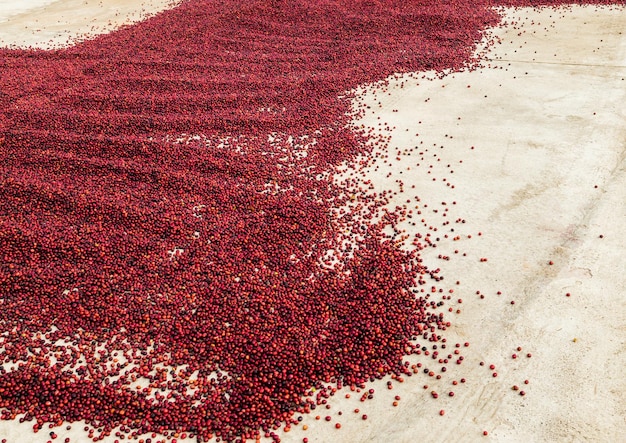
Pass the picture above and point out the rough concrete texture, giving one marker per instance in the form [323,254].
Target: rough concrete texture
[53,23]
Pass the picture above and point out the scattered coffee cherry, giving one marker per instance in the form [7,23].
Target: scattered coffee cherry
[123,213]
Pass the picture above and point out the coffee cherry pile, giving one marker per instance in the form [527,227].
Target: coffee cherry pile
[172,253]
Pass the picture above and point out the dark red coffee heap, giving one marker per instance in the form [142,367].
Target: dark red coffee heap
[165,214]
